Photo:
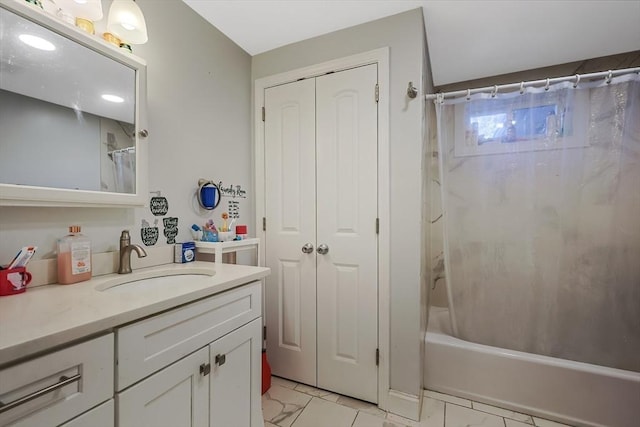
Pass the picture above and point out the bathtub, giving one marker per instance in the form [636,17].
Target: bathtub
[570,392]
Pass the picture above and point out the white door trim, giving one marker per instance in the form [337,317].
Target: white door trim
[380,57]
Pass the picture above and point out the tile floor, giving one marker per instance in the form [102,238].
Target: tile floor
[289,404]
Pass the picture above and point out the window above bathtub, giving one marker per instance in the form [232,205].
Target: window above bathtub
[514,122]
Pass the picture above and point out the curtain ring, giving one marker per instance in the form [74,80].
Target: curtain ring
[439,98]
[546,85]
[494,92]
[521,88]
[468,94]
[575,85]
[609,76]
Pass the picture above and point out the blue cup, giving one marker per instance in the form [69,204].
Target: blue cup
[208,195]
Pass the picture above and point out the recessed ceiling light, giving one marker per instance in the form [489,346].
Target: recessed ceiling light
[112,98]
[37,42]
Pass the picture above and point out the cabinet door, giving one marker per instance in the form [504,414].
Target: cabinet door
[235,378]
[176,396]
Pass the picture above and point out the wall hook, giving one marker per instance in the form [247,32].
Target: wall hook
[412,92]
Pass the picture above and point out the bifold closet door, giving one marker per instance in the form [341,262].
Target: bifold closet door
[321,241]
[290,208]
[347,207]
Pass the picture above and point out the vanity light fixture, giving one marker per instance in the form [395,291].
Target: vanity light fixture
[126,21]
[37,42]
[112,98]
[90,10]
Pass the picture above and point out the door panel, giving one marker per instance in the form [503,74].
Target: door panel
[347,282]
[290,207]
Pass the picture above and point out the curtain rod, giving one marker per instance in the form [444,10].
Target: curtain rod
[544,82]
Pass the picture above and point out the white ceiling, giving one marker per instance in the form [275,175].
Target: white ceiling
[467,39]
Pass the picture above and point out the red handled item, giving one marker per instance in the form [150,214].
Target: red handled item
[14,281]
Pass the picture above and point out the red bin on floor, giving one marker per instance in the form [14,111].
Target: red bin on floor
[266,373]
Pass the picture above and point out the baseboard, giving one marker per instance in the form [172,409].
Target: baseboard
[405,405]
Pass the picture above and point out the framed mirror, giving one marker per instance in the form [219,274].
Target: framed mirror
[70,115]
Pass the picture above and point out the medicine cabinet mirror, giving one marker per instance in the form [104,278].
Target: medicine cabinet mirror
[70,115]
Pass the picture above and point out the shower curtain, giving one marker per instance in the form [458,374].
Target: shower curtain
[541,203]
[124,169]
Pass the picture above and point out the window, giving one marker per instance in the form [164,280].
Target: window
[530,122]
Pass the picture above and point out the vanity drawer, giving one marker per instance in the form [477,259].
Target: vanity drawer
[149,345]
[54,388]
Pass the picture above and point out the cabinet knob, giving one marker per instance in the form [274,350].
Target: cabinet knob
[220,359]
[205,369]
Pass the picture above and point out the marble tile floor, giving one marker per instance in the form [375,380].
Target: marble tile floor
[289,404]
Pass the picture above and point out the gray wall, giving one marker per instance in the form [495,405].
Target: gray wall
[41,139]
[199,123]
[404,35]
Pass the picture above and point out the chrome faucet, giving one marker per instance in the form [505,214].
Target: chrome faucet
[125,252]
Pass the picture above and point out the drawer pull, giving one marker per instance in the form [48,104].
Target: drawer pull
[205,369]
[63,382]
[220,359]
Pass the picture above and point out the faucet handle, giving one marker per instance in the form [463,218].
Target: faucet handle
[125,239]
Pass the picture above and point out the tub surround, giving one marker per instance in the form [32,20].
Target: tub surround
[46,317]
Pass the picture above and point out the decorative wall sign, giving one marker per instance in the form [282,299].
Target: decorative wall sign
[170,229]
[148,234]
[158,205]
[231,190]
[234,209]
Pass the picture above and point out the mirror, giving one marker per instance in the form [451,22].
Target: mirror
[69,114]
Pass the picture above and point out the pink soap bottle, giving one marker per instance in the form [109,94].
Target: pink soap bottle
[74,257]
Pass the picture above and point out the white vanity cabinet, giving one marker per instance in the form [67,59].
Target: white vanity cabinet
[53,389]
[197,365]
[102,416]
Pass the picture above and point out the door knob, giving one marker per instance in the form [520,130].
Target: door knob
[323,249]
[307,249]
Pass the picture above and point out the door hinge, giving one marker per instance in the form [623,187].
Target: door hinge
[377,225]
[263,114]
[377,92]
[264,224]
[377,357]
[264,333]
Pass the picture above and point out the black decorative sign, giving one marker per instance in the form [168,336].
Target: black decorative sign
[159,206]
[148,234]
[234,209]
[170,229]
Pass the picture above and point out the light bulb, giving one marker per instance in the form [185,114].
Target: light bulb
[126,21]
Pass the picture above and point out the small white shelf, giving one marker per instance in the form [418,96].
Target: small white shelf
[219,248]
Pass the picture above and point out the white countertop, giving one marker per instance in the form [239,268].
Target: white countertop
[48,316]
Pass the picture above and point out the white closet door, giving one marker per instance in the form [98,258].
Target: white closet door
[347,282]
[290,208]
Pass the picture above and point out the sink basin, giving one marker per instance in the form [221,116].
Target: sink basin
[155,279]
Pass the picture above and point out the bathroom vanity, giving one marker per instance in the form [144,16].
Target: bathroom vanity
[176,344]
